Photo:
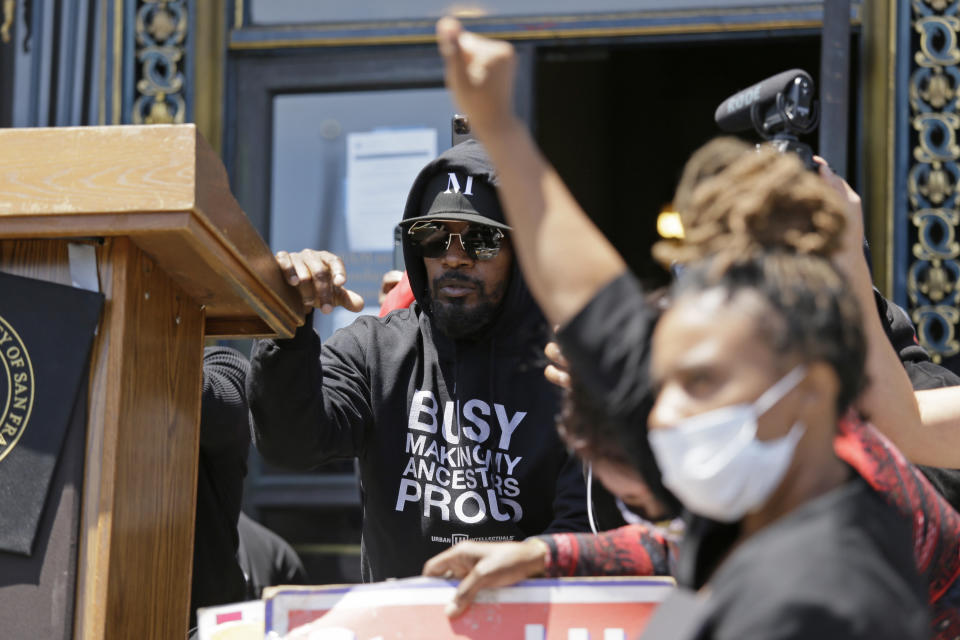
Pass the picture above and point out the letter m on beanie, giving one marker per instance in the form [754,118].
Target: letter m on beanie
[453,184]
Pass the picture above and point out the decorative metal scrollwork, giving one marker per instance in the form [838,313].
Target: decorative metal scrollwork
[161,31]
[933,277]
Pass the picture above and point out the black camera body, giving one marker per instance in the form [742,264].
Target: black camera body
[460,130]
[780,109]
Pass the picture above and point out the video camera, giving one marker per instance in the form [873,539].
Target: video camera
[779,109]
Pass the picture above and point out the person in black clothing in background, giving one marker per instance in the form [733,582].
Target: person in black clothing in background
[265,558]
[224,444]
[233,556]
[444,403]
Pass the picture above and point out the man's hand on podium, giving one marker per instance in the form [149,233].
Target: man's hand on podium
[319,276]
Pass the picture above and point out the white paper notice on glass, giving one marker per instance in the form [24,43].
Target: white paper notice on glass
[381,166]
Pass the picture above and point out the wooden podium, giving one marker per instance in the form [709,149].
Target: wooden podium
[178,261]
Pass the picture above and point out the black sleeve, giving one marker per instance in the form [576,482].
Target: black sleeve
[608,346]
[570,500]
[309,404]
[798,617]
[902,335]
[923,372]
[289,566]
[788,622]
[266,558]
[222,466]
[223,408]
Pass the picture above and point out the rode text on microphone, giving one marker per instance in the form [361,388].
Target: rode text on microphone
[779,109]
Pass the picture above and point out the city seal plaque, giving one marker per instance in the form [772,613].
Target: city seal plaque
[17,384]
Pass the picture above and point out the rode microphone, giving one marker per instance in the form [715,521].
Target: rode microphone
[783,103]
[779,109]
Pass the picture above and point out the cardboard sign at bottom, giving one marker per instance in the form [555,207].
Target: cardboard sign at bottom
[564,609]
[240,621]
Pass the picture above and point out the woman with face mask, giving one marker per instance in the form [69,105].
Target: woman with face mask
[755,364]
[787,541]
[765,422]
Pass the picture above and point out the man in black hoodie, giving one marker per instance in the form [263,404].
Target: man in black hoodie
[444,404]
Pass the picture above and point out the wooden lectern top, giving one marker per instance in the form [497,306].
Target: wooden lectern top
[166,189]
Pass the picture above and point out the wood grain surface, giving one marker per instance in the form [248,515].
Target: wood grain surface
[176,257]
[142,442]
[163,187]
[52,171]
[143,439]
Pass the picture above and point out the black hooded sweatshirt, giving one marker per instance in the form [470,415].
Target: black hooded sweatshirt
[456,439]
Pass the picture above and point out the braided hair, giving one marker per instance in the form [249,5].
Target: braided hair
[734,201]
[754,221]
[765,224]
[808,310]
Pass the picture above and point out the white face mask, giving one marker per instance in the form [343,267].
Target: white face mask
[714,463]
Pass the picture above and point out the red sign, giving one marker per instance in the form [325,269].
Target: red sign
[565,609]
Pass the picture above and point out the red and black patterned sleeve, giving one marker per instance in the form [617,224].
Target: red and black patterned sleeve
[633,550]
[936,525]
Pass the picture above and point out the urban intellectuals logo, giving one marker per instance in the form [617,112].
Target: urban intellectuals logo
[16,388]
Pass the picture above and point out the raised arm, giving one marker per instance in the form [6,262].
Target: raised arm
[925,425]
[564,257]
[939,443]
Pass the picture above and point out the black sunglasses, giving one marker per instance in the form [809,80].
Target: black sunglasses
[431,239]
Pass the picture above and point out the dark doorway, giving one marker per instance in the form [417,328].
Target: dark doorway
[618,122]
